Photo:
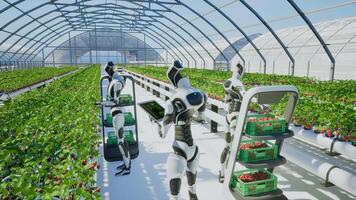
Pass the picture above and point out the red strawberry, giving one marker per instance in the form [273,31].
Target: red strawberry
[84,162]
[329,133]
[97,189]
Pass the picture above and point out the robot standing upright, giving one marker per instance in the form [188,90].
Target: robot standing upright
[234,91]
[117,83]
[179,111]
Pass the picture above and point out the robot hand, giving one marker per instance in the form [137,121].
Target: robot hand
[159,128]
[265,108]
[161,131]
[200,117]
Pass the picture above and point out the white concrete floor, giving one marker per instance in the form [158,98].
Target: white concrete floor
[147,180]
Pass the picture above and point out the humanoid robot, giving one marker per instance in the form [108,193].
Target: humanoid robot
[234,91]
[179,111]
[117,83]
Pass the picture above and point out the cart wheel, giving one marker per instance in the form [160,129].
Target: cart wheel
[221,177]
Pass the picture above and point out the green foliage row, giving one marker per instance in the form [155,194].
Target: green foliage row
[14,80]
[49,140]
[324,104]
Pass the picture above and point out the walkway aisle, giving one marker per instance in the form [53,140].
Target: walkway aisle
[147,180]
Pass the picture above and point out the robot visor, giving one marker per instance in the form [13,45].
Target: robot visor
[195,98]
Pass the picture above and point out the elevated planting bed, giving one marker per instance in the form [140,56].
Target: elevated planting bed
[325,107]
[49,140]
[14,80]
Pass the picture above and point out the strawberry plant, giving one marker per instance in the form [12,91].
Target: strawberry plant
[49,140]
[17,79]
[322,104]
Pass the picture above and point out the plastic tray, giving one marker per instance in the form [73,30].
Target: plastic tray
[267,127]
[129,120]
[112,139]
[256,187]
[129,137]
[258,154]
[125,100]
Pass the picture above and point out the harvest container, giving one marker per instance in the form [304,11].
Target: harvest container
[112,139]
[129,120]
[264,124]
[129,137]
[257,154]
[255,187]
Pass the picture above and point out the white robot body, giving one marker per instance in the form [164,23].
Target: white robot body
[179,112]
[117,83]
[115,87]
[234,92]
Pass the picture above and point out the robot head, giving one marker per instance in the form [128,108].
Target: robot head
[110,68]
[238,71]
[173,73]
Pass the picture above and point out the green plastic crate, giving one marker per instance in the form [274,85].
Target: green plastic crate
[129,137]
[254,155]
[125,100]
[129,120]
[256,187]
[112,139]
[265,127]
[108,120]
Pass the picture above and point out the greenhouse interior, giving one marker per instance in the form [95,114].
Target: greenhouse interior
[178,99]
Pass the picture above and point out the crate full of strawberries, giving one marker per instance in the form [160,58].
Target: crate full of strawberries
[264,124]
[253,181]
[255,150]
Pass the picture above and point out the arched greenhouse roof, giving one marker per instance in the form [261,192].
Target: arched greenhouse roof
[186,30]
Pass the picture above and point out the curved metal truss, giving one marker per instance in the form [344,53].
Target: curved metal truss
[155,20]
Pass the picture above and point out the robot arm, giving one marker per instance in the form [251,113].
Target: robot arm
[168,119]
[201,111]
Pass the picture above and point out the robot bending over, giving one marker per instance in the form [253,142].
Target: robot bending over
[179,111]
[117,83]
[234,91]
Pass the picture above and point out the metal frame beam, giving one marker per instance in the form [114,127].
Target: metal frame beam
[151,37]
[192,37]
[214,27]
[60,46]
[272,32]
[317,35]
[240,30]
[162,31]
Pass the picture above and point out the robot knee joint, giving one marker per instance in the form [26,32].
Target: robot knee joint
[228,137]
[174,185]
[191,178]
[224,155]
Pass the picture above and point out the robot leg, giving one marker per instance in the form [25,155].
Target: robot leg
[118,123]
[191,172]
[124,150]
[176,165]
[224,156]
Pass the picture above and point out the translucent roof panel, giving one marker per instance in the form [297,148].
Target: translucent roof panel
[199,33]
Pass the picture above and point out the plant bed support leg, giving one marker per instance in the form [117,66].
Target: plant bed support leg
[327,183]
[331,152]
[167,89]
[214,125]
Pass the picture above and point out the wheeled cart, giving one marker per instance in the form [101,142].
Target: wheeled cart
[127,103]
[234,188]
